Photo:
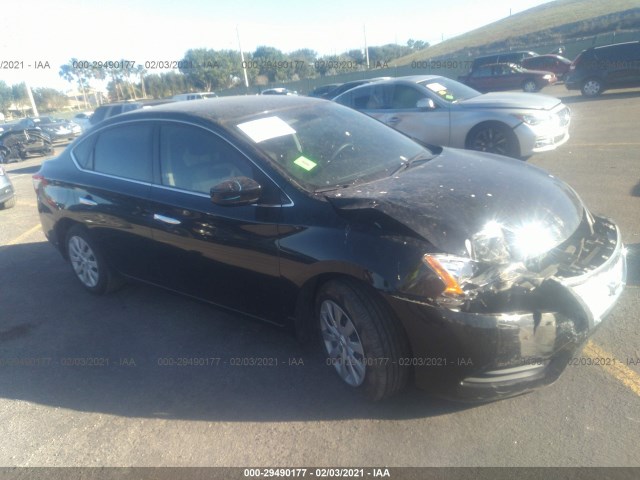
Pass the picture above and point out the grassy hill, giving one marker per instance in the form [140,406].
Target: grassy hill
[559,21]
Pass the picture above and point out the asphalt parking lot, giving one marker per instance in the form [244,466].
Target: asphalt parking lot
[88,381]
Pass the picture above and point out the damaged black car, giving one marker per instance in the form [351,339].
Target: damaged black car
[473,275]
[18,145]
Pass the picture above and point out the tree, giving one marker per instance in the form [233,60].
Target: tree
[141,72]
[203,70]
[74,72]
[302,62]
[271,63]
[6,97]
[49,99]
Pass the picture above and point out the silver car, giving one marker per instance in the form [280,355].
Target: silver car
[440,111]
[7,192]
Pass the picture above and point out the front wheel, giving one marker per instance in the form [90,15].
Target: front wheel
[88,263]
[530,86]
[362,340]
[592,87]
[494,138]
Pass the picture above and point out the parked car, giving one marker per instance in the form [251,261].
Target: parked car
[469,273]
[349,85]
[16,145]
[503,57]
[57,130]
[440,111]
[548,63]
[82,119]
[498,77]
[278,91]
[194,96]
[597,69]
[323,89]
[7,191]
[112,109]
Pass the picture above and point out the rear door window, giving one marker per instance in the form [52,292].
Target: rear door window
[125,151]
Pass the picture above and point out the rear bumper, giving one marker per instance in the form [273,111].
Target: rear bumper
[487,356]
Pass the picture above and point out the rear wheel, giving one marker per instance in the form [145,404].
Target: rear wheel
[361,338]
[88,263]
[591,87]
[530,86]
[494,138]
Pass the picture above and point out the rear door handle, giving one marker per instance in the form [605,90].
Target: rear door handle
[88,201]
[163,219]
[393,120]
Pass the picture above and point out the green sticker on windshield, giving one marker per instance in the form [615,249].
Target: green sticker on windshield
[305,163]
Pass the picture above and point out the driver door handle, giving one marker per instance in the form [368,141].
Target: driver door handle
[163,219]
[87,201]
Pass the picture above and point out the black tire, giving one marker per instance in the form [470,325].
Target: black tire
[591,87]
[382,340]
[88,262]
[493,137]
[530,86]
[9,203]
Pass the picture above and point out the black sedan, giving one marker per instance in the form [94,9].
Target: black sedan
[473,275]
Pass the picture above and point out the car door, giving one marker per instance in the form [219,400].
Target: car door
[481,79]
[112,193]
[623,65]
[428,122]
[227,255]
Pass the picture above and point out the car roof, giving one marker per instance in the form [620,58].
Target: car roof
[220,110]
[411,79]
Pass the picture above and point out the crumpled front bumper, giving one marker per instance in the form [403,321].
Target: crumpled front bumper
[487,356]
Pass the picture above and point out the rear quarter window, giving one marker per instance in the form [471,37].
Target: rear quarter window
[83,153]
[125,151]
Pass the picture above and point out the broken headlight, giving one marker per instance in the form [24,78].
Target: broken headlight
[496,262]
[453,271]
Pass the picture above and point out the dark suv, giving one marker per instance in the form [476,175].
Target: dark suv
[105,111]
[597,69]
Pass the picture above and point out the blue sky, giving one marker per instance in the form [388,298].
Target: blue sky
[146,30]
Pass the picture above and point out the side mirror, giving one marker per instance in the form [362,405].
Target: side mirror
[426,103]
[236,191]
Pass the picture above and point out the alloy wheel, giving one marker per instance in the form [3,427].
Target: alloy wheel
[591,88]
[84,261]
[342,343]
[491,140]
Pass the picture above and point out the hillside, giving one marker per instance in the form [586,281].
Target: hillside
[559,21]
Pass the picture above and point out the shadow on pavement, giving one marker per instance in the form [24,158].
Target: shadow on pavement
[64,347]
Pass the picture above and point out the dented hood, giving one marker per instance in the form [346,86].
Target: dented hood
[450,198]
[512,100]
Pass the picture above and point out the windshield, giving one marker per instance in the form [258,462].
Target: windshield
[326,146]
[449,90]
